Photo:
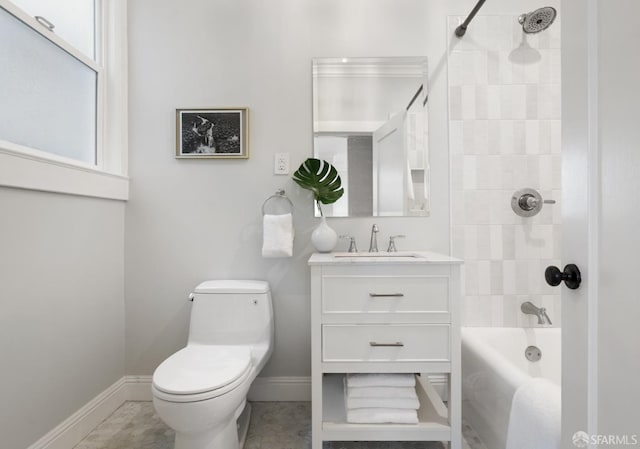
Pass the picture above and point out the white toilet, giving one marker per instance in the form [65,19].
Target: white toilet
[201,390]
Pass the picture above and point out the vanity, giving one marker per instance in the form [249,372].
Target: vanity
[385,313]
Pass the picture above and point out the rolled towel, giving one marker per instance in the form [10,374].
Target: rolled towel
[381,380]
[382,416]
[382,392]
[409,403]
[277,239]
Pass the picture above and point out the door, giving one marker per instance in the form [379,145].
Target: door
[601,220]
[389,167]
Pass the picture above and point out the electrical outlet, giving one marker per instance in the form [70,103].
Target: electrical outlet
[281,164]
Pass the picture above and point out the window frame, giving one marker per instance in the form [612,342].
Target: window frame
[29,168]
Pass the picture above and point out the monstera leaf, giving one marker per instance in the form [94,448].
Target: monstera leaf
[322,179]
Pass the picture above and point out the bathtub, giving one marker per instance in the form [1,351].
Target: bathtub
[494,366]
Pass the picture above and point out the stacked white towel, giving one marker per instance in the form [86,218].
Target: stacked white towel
[381,398]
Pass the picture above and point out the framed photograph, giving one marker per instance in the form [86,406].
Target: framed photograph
[221,133]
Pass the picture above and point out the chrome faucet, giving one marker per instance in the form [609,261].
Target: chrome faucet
[392,243]
[373,244]
[530,309]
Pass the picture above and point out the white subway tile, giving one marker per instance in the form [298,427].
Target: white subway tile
[482,105]
[471,277]
[532,137]
[484,277]
[469,174]
[470,242]
[557,172]
[497,311]
[532,102]
[545,162]
[506,137]
[522,277]
[493,136]
[497,278]
[468,102]
[493,67]
[496,238]
[510,310]
[519,137]
[483,242]
[509,286]
[494,102]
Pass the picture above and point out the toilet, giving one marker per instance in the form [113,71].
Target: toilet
[201,390]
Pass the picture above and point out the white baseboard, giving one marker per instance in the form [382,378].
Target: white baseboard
[72,430]
[138,388]
[280,389]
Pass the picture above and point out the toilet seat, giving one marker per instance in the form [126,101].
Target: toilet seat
[200,372]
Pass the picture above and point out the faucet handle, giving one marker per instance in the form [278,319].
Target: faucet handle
[543,311]
[352,243]
[392,242]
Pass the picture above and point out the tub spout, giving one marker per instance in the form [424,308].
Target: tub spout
[530,309]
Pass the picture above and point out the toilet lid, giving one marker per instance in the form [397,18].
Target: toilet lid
[201,368]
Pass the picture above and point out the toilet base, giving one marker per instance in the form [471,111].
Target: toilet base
[231,436]
[225,437]
[243,424]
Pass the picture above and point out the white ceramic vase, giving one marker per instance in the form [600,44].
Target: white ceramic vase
[324,238]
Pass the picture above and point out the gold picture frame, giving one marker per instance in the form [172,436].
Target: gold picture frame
[215,133]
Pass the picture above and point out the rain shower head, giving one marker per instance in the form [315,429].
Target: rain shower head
[538,20]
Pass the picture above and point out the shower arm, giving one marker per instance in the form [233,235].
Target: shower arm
[463,28]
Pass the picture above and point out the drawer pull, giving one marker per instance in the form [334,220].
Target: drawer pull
[386,295]
[395,344]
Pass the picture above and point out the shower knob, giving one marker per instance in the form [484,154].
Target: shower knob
[571,276]
[528,202]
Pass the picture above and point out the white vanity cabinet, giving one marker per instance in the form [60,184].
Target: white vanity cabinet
[394,314]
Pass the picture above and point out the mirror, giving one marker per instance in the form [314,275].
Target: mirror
[370,122]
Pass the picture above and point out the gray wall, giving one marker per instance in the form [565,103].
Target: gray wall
[192,220]
[61,308]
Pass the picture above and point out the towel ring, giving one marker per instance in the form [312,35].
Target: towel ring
[278,195]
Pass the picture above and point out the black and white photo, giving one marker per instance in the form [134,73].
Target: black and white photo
[212,133]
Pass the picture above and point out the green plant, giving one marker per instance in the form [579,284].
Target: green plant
[322,179]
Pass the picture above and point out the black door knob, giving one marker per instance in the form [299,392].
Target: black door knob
[570,276]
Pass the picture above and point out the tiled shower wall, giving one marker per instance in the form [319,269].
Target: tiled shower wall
[504,132]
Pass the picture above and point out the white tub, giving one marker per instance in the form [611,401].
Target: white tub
[494,366]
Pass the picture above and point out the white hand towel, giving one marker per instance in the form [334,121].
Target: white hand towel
[381,380]
[408,403]
[381,392]
[382,415]
[277,239]
[534,421]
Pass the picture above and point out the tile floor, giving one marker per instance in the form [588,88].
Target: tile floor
[274,425]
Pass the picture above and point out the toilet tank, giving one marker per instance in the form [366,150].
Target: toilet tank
[231,312]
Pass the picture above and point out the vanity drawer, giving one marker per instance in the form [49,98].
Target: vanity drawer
[375,294]
[385,343]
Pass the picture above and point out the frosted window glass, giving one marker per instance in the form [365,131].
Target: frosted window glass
[74,20]
[47,97]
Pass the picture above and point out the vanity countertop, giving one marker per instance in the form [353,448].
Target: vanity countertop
[395,258]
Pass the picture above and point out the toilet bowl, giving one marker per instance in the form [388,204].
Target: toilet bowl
[200,391]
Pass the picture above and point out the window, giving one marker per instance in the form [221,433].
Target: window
[58,68]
